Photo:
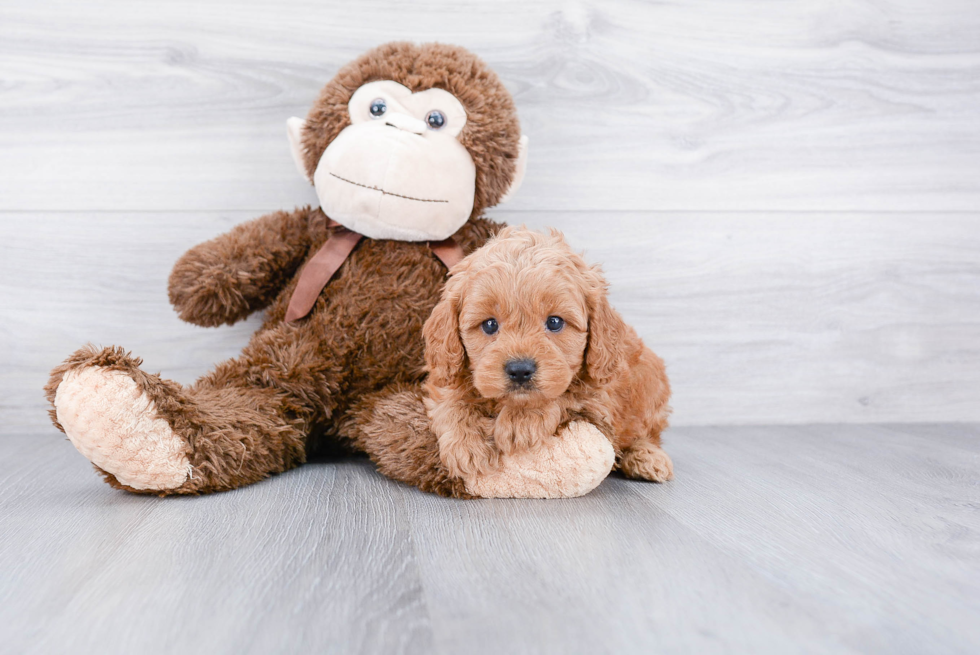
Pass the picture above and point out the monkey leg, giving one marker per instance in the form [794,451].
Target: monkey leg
[392,427]
[150,435]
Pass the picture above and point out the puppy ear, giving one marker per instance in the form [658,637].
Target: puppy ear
[443,347]
[609,336]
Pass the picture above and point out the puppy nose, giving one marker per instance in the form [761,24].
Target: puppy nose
[520,370]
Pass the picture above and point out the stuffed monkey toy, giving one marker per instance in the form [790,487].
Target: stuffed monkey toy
[406,147]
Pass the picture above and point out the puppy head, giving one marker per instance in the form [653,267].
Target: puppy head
[520,319]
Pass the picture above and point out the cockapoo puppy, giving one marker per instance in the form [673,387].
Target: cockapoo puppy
[523,341]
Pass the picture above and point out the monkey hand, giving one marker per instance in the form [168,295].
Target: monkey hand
[223,280]
[569,464]
[207,293]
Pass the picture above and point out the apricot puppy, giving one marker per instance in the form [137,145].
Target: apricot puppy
[523,341]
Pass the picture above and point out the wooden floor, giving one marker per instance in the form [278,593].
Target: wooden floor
[771,539]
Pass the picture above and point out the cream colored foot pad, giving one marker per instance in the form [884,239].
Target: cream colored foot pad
[116,427]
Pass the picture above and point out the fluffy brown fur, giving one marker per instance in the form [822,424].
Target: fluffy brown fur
[594,366]
[299,383]
[394,430]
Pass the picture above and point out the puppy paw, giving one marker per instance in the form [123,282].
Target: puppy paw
[646,461]
[467,454]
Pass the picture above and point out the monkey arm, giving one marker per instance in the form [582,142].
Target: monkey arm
[223,280]
[392,427]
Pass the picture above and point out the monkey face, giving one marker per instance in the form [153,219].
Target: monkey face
[398,171]
[408,142]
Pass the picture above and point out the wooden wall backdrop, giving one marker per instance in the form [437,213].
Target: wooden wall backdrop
[785,195]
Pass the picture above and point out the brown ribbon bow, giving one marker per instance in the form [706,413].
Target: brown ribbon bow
[331,257]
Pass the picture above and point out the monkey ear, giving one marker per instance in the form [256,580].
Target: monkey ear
[519,169]
[294,129]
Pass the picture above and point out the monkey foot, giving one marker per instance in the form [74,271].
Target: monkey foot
[571,464]
[115,424]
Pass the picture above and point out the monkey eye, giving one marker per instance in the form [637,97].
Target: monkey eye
[554,323]
[490,326]
[435,119]
[378,107]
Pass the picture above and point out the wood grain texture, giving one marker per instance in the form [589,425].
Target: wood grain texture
[264,569]
[150,127]
[805,539]
[704,105]
[761,318]
[768,540]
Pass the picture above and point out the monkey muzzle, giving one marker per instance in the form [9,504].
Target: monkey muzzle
[392,179]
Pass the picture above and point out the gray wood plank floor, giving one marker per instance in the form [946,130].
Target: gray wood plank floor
[828,538]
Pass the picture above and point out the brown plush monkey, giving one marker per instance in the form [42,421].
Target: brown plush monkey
[407,146]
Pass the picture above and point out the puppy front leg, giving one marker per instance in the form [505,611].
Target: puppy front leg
[465,447]
[467,453]
[520,429]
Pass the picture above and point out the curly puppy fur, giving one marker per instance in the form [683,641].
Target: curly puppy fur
[595,366]
[296,384]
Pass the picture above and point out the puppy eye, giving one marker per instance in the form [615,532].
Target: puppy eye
[378,107]
[490,326]
[554,323]
[435,119]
